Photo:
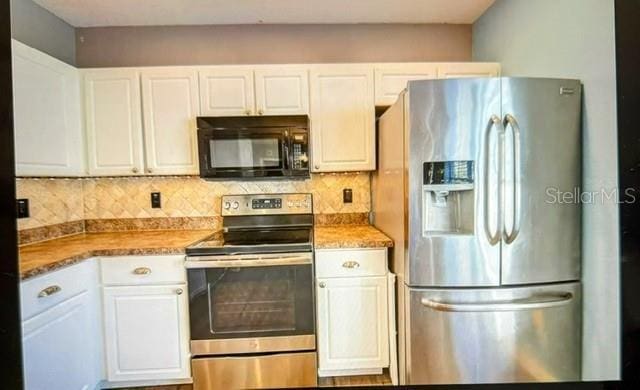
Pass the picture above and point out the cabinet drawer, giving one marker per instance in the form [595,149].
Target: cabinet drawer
[350,262]
[141,270]
[43,292]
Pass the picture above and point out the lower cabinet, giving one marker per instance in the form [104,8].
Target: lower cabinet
[61,329]
[146,332]
[352,311]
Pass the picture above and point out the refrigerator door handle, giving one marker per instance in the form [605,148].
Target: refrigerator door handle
[510,121]
[530,303]
[493,238]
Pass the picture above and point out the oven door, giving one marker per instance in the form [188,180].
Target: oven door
[251,303]
[243,153]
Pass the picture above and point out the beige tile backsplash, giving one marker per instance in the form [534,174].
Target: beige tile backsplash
[56,201]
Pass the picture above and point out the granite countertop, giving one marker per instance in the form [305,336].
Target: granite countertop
[350,236]
[46,256]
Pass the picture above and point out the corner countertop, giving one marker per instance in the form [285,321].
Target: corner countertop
[42,257]
[350,236]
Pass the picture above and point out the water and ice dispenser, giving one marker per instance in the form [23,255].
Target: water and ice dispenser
[448,198]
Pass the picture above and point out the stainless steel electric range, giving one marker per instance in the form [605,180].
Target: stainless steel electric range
[251,297]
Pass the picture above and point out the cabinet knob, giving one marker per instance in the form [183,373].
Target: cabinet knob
[134,170]
[248,112]
[260,112]
[149,170]
[142,271]
[317,166]
[322,284]
[49,291]
[179,291]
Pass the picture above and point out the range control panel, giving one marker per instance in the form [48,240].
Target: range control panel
[267,204]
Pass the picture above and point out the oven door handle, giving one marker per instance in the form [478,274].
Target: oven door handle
[210,262]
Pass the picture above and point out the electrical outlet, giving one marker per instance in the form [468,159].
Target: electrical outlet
[156,200]
[347,195]
[22,208]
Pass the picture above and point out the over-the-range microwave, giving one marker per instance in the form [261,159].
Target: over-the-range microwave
[254,147]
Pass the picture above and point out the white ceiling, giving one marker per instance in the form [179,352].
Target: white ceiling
[93,13]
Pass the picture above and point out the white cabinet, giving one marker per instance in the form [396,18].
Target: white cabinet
[226,91]
[146,318]
[468,69]
[260,90]
[352,311]
[113,122]
[170,106]
[61,331]
[47,115]
[391,79]
[146,332]
[282,90]
[342,118]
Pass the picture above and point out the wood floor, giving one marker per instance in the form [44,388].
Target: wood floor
[336,381]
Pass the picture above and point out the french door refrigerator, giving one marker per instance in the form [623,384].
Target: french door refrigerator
[476,184]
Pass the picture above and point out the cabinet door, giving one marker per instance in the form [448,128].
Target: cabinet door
[342,118]
[146,332]
[352,323]
[226,91]
[60,346]
[113,121]
[282,90]
[47,115]
[170,104]
[468,69]
[391,79]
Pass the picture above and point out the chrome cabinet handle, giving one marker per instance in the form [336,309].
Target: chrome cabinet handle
[49,291]
[530,303]
[493,238]
[510,121]
[322,284]
[142,271]
[179,291]
[351,264]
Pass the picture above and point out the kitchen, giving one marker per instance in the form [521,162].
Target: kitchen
[199,200]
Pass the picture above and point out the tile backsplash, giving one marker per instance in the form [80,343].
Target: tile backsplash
[55,201]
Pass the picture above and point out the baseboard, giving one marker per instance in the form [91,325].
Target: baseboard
[364,371]
[161,382]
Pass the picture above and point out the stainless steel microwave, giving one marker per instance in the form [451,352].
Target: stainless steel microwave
[254,147]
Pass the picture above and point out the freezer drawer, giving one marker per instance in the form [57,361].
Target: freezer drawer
[524,334]
[255,372]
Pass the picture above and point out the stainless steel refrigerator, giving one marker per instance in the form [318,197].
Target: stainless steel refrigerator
[476,184]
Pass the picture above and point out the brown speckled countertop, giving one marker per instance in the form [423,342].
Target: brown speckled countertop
[46,256]
[350,236]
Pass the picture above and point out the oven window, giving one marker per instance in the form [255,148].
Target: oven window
[251,302]
[245,153]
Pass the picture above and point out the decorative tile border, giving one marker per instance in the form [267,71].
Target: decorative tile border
[29,236]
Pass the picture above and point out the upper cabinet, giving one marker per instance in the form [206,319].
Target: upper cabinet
[113,122]
[342,118]
[282,90]
[47,115]
[391,79]
[468,69]
[170,104]
[260,90]
[227,91]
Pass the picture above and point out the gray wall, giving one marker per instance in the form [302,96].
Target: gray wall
[262,44]
[574,39]
[36,27]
